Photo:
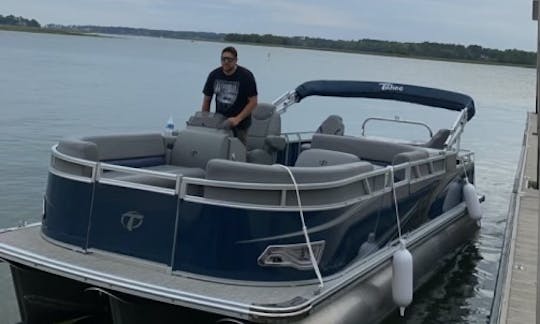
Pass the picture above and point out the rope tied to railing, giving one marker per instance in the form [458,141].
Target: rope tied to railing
[304,228]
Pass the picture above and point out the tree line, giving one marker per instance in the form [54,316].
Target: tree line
[470,53]
[432,50]
[18,21]
[457,52]
[140,32]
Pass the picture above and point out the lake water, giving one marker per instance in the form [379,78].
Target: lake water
[52,86]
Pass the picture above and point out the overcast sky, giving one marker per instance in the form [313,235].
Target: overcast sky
[498,24]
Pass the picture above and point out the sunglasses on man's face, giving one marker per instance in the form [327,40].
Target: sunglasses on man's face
[227,59]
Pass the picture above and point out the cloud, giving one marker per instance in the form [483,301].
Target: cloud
[302,13]
[313,15]
[489,23]
[279,12]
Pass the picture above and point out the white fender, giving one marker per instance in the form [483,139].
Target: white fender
[471,200]
[453,196]
[368,246]
[402,278]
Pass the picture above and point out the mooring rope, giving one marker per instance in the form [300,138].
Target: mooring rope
[304,228]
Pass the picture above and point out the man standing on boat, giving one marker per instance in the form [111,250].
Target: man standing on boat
[235,90]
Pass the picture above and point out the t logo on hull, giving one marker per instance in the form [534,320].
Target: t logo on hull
[131,220]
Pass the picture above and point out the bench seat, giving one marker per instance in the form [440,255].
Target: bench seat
[368,149]
[241,172]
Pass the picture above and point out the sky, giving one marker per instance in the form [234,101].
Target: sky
[501,24]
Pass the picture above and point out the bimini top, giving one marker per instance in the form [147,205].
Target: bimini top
[385,90]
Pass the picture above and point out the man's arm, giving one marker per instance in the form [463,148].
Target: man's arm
[248,109]
[206,103]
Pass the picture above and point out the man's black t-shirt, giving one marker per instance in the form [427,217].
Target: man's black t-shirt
[232,92]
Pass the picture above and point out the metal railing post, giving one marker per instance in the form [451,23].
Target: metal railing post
[536,14]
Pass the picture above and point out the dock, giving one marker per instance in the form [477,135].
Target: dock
[516,295]
[516,298]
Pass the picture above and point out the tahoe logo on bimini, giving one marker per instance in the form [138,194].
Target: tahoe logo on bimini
[385,86]
[131,220]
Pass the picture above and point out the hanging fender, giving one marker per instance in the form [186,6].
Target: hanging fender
[402,277]
[453,196]
[471,200]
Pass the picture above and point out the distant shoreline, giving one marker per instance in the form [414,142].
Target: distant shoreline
[44,31]
[93,34]
[416,57]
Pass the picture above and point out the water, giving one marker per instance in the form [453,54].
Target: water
[53,86]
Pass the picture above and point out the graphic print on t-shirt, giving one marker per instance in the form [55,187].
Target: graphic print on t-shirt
[226,92]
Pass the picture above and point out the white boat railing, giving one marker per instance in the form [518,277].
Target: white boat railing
[395,120]
[454,140]
[412,173]
[376,182]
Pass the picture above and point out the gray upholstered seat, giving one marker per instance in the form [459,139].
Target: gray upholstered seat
[206,119]
[367,149]
[115,147]
[319,157]
[132,150]
[332,125]
[438,139]
[264,136]
[233,171]
[195,146]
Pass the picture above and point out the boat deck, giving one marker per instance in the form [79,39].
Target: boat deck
[154,281]
[519,302]
[294,299]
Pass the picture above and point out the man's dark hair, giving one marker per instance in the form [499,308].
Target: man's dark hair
[231,50]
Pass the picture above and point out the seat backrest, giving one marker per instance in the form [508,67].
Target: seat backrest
[264,121]
[437,141]
[136,150]
[195,146]
[233,171]
[332,125]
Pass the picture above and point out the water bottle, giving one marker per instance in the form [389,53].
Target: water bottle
[169,127]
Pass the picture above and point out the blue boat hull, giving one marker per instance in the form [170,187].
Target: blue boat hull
[222,241]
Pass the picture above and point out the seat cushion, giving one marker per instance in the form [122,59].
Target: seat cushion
[259,156]
[320,157]
[367,149]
